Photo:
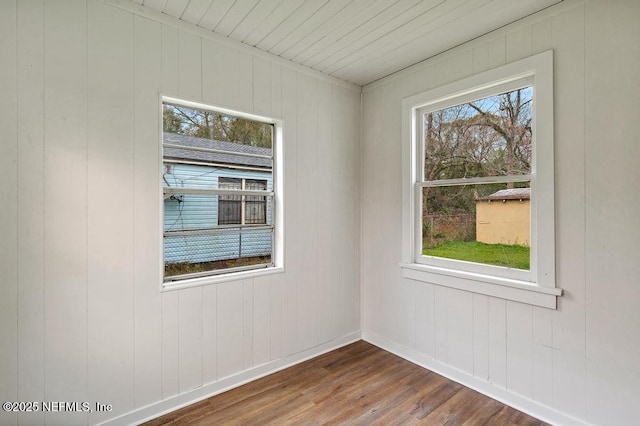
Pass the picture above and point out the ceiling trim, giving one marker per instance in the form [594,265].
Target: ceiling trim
[543,14]
[165,19]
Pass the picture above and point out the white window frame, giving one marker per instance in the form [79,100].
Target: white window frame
[536,286]
[277,260]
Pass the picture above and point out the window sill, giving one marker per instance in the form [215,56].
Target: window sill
[222,278]
[504,288]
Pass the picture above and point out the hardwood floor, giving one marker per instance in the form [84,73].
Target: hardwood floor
[357,384]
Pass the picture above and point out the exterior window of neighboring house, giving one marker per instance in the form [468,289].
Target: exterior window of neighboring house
[229,206]
[255,205]
[221,182]
[238,209]
[478,195]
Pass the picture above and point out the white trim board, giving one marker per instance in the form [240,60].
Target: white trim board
[145,12]
[174,403]
[533,408]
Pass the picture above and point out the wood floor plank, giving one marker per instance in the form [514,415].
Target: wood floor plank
[403,413]
[436,398]
[459,408]
[511,416]
[358,384]
[483,414]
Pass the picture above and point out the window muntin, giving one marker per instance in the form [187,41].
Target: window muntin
[490,136]
[219,190]
[475,152]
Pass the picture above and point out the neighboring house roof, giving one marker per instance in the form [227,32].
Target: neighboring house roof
[508,194]
[214,157]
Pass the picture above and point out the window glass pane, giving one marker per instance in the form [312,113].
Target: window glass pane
[202,253]
[188,212]
[256,185]
[482,223]
[204,231]
[193,243]
[212,125]
[255,205]
[229,206]
[486,137]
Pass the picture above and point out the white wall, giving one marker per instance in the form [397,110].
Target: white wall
[580,362]
[81,315]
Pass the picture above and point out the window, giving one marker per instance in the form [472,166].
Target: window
[255,205]
[242,209]
[478,193]
[221,183]
[229,206]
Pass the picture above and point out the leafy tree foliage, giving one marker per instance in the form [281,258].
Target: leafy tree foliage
[212,125]
[170,121]
[487,137]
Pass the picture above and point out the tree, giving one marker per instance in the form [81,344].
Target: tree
[513,124]
[212,125]
[170,121]
[487,137]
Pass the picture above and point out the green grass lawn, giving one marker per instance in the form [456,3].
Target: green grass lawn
[492,254]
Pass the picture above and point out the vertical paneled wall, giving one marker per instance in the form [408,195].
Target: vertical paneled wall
[81,314]
[581,360]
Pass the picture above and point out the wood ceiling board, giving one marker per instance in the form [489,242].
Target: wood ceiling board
[396,32]
[157,5]
[234,16]
[326,14]
[327,28]
[293,21]
[370,31]
[175,7]
[405,56]
[359,41]
[215,13]
[408,52]
[388,46]
[275,18]
[254,18]
[323,47]
[381,67]
[195,10]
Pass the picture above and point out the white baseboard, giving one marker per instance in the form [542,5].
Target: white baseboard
[526,405]
[514,400]
[168,405]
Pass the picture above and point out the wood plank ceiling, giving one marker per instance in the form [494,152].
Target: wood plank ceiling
[359,41]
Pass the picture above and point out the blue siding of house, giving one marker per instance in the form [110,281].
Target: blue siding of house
[201,211]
